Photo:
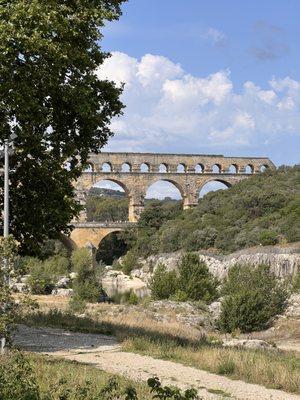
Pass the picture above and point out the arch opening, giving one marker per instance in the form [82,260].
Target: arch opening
[249,169]
[216,169]
[145,167]
[126,167]
[163,168]
[213,186]
[89,168]
[233,169]
[164,190]
[199,169]
[106,167]
[263,168]
[112,247]
[181,168]
[107,201]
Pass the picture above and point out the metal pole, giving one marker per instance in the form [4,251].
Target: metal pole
[6,226]
[6,189]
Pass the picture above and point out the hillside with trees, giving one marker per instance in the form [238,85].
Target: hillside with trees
[261,210]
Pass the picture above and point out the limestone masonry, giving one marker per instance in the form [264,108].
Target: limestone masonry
[135,172]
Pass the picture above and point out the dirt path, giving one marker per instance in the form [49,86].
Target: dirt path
[104,353]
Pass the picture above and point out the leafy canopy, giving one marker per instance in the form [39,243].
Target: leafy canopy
[53,101]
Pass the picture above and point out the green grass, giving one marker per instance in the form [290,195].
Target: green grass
[60,379]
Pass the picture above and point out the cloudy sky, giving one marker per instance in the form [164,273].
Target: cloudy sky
[207,76]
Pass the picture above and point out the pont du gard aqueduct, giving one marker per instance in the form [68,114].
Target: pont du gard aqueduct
[135,172]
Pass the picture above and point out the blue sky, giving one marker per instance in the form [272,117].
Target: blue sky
[207,76]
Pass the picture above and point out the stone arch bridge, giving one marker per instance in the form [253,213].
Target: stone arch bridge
[135,172]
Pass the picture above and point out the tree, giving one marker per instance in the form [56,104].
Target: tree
[52,100]
[163,283]
[195,279]
[252,297]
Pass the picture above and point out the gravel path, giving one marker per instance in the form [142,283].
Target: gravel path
[104,353]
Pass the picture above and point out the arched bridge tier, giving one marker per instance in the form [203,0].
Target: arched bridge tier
[92,233]
[135,172]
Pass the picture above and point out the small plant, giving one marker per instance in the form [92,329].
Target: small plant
[226,367]
[166,392]
[133,298]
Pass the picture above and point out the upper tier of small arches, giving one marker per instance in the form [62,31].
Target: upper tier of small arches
[180,168]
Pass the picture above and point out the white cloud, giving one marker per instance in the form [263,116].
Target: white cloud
[170,110]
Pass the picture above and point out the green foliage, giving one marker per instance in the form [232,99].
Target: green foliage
[166,392]
[17,380]
[111,248]
[106,209]
[261,210]
[133,298]
[129,262]
[44,274]
[10,308]
[195,279]
[192,282]
[61,111]
[163,283]
[296,282]
[86,285]
[253,296]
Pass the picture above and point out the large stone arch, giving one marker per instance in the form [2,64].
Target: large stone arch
[173,181]
[83,236]
[227,182]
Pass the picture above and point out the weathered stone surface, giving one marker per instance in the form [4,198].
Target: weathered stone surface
[293,309]
[281,260]
[63,283]
[115,281]
[20,287]
[197,170]
[62,292]
[247,343]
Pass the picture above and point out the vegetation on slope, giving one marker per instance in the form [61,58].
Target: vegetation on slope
[261,210]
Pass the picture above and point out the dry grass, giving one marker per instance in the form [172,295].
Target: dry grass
[174,341]
[274,368]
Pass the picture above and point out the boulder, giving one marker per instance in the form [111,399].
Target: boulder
[62,292]
[63,283]
[247,344]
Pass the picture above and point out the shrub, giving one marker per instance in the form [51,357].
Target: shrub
[86,285]
[129,262]
[253,296]
[195,279]
[17,380]
[43,274]
[133,298]
[163,283]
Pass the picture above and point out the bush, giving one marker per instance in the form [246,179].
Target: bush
[163,283]
[86,285]
[17,380]
[195,280]
[44,274]
[253,296]
[129,262]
